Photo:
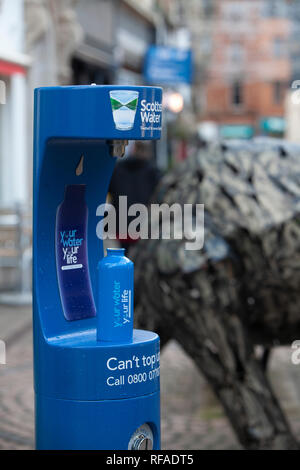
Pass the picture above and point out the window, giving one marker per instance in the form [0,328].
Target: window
[237,94]
[275,8]
[208,8]
[278,88]
[233,11]
[278,47]
[236,52]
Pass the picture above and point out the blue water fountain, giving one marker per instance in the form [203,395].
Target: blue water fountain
[96,378]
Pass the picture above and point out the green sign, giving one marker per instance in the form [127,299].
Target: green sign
[236,131]
[273,125]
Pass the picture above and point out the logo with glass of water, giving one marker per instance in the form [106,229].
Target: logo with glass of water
[124,104]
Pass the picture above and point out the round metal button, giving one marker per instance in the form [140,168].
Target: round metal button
[142,442]
[142,438]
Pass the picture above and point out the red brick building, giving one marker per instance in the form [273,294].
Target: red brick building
[250,69]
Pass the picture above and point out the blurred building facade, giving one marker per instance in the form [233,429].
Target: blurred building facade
[93,60]
[244,55]
[186,25]
[60,42]
[13,73]
[250,67]
[52,33]
[189,25]
[292,104]
[50,43]
[136,31]
[116,36]
[294,43]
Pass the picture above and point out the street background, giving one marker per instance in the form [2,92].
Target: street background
[229,70]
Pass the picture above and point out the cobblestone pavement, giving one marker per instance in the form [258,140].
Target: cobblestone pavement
[191,416]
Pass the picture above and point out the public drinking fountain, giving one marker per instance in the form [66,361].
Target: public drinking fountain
[96,378]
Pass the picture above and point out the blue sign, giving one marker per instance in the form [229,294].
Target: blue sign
[168,65]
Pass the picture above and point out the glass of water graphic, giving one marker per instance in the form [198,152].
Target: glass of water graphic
[124,104]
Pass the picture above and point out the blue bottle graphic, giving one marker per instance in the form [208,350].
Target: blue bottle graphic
[72,255]
[115,301]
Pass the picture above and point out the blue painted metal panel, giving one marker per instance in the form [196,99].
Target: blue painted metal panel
[82,384]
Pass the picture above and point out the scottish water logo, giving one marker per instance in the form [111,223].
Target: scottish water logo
[124,104]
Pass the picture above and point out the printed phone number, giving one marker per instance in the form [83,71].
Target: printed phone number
[130,379]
